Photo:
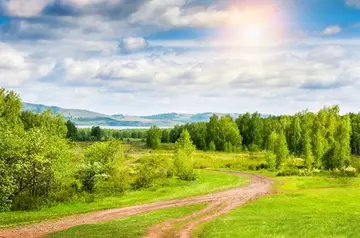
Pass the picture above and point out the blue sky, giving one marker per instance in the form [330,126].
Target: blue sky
[153,56]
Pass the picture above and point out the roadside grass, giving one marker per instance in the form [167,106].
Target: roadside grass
[307,207]
[206,182]
[129,227]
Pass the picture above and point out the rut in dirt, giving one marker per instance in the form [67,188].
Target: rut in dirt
[219,203]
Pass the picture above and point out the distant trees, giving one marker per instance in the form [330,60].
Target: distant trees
[323,140]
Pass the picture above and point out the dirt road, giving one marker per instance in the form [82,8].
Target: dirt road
[219,203]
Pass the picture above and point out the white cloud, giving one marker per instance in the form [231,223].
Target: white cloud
[131,44]
[26,8]
[331,30]
[353,3]
[14,68]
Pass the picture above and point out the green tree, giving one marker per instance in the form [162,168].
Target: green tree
[281,150]
[165,137]
[96,133]
[183,157]
[153,139]
[71,131]
[102,160]
[295,135]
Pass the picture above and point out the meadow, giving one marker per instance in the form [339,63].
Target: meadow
[303,207]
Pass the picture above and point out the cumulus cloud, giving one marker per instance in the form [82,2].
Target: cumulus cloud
[331,30]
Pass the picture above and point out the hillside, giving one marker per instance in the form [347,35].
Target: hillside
[88,118]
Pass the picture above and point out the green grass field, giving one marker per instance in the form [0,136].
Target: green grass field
[129,227]
[308,207]
[206,182]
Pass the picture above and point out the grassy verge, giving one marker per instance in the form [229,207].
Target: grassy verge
[308,207]
[129,227]
[206,182]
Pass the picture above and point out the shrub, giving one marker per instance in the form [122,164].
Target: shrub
[150,169]
[103,163]
[289,172]
[349,171]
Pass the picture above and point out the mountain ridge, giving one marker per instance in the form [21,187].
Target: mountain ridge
[83,117]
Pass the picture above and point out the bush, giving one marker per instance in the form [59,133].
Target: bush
[103,164]
[289,172]
[150,169]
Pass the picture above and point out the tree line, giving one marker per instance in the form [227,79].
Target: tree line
[324,139]
[96,133]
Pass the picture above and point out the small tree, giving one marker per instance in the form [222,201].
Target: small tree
[212,146]
[153,139]
[282,150]
[270,158]
[183,157]
[71,130]
[96,133]
[165,137]
[102,162]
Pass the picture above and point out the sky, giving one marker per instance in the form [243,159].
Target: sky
[142,57]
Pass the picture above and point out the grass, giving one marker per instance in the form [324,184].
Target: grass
[129,227]
[308,207]
[206,182]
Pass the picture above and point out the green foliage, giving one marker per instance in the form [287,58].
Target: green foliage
[103,160]
[281,150]
[153,139]
[212,146]
[270,159]
[72,132]
[224,133]
[172,188]
[151,169]
[30,148]
[96,133]
[165,137]
[183,157]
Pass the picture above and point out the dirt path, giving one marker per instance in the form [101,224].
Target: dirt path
[223,204]
[220,203]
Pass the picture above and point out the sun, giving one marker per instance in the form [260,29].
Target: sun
[253,27]
[253,34]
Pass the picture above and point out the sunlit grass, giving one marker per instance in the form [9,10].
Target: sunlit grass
[308,207]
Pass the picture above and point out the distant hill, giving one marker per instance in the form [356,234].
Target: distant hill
[89,118]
